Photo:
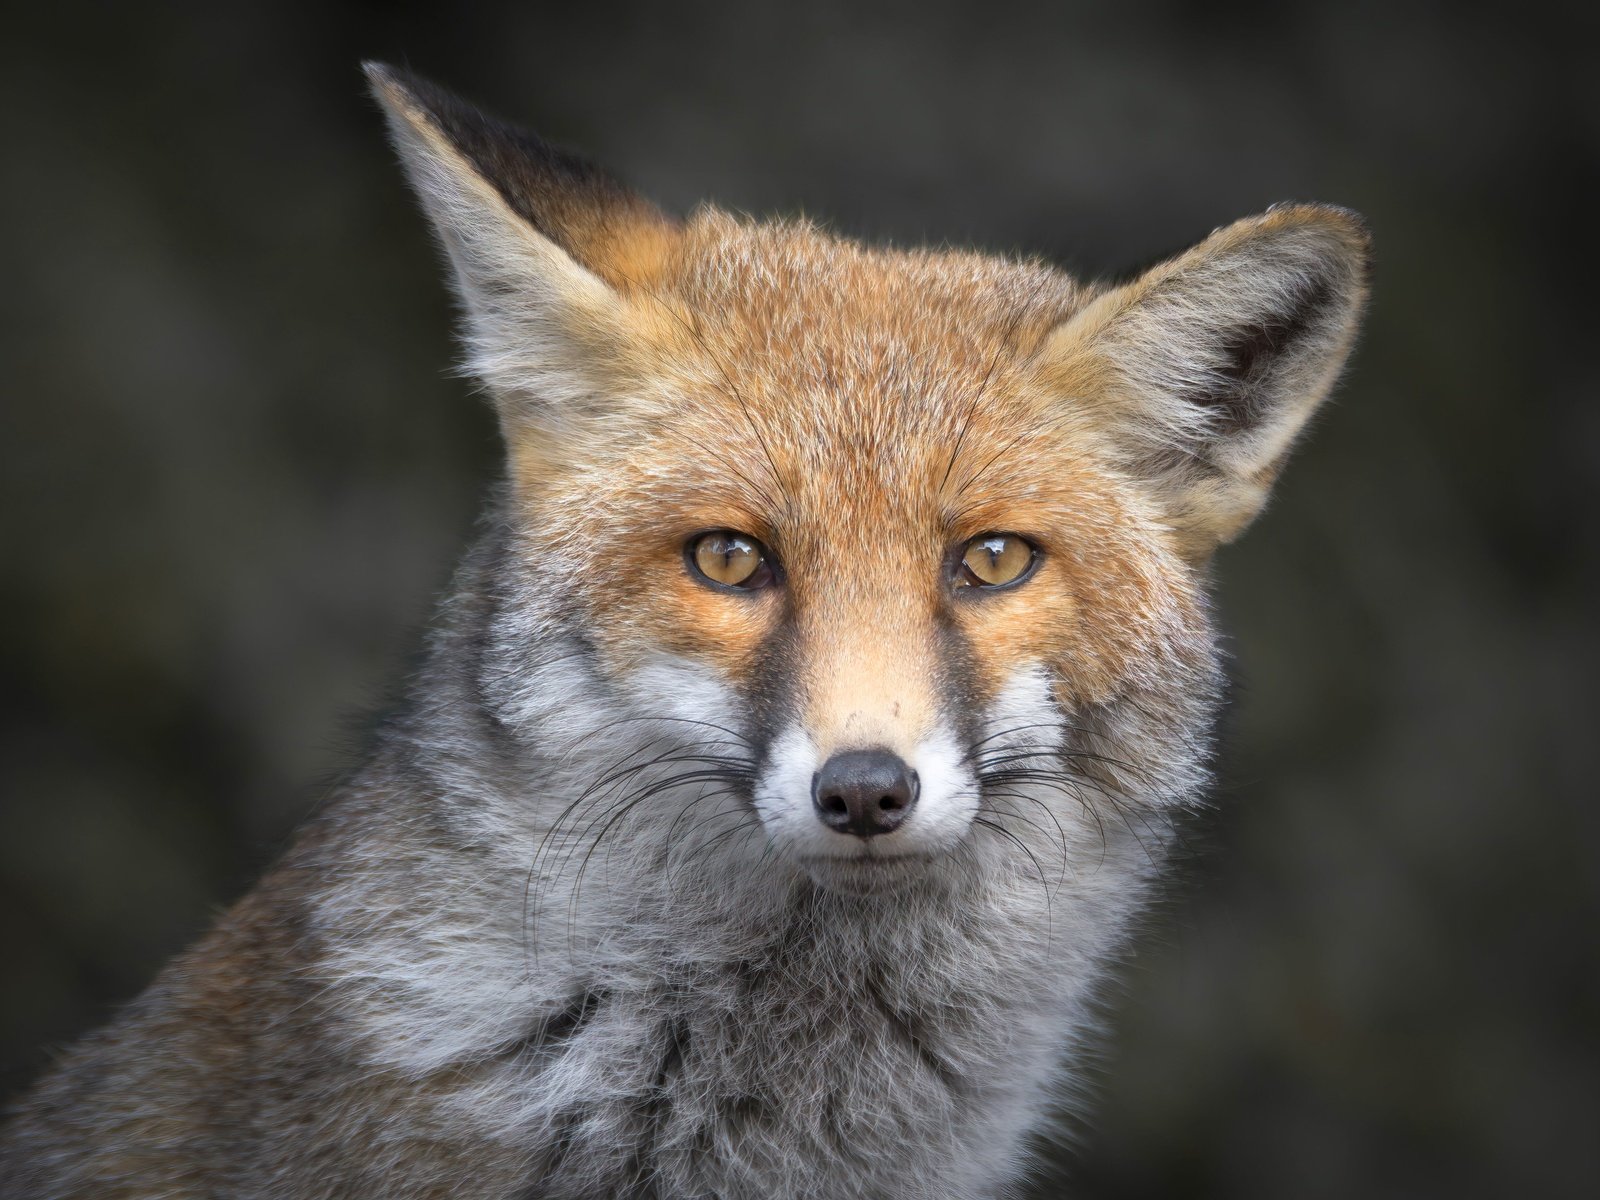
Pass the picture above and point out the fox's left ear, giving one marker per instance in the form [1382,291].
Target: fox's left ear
[1202,371]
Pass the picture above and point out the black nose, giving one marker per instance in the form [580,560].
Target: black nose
[864,792]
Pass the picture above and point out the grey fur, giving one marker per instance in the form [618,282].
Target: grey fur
[700,1031]
[548,941]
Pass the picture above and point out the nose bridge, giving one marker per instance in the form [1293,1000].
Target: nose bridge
[870,666]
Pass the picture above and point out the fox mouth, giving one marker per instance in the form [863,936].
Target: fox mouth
[868,871]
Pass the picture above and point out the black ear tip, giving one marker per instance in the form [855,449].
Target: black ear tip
[388,84]
[382,74]
[398,87]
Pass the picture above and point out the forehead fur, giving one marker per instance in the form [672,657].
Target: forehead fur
[788,354]
[836,324]
[862,411]
[794,285]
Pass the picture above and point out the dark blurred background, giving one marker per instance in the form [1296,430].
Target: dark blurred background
[236,473]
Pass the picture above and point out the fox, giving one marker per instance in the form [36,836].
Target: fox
[797,747]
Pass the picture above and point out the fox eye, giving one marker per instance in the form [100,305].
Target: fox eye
[996,560]
[726,559]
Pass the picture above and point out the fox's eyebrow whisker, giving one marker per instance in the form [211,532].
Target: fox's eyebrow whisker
[1002,343]
[693,326]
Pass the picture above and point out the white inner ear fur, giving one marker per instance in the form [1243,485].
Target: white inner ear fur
[541,329]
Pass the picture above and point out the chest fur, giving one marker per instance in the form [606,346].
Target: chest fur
[778,1078]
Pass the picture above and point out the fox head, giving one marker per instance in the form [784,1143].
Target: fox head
[895,548]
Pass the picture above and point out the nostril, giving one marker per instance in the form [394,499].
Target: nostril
[864,792]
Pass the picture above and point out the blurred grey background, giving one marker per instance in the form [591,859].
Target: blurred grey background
[236,473]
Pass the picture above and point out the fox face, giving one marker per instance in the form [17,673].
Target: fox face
[885,550]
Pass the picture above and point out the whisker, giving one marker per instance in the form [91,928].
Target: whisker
[604,791]
[1044,883]
[1071,785]
[1061,834]
[693,327]
[1001,345]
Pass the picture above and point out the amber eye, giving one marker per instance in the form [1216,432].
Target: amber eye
[730,560]
[995,560]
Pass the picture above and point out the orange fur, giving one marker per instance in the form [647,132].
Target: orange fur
[863,412]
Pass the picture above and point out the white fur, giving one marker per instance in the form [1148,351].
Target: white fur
[946,802]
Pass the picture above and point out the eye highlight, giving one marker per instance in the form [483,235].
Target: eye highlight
[727,559]
[996,560]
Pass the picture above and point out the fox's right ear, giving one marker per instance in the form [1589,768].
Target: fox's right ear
[541,244]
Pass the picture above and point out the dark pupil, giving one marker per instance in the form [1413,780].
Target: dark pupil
[996,547]
[718,554]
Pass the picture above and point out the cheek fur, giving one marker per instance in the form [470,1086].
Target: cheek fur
[651,605]
[1097,611]
[1023,717]
[680,688]
[1007,630]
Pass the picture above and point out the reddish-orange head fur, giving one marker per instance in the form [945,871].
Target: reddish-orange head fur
[864,413]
